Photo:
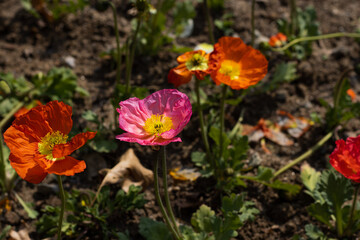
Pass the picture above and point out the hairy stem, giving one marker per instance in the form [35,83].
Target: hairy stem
[159,201]
[314,38]
[61,216]
[209,22]
[304,155]
[166,193]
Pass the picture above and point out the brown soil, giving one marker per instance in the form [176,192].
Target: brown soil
[28,45]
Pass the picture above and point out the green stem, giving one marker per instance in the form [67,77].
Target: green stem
[202,124]
[209,22]
[62,196]
[352,211]
[166,193]
[252,22]
[304,155]
[314,38]
[293,17]
[129,64]
[2,164]
[159,201]
[338,217]
[222,118]
[118,53]
[10,114]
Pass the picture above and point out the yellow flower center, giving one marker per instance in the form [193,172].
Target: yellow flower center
[197,62]
[230,68]
[47,143]
[157,124]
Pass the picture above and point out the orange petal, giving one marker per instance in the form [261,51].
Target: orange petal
[252,63]
[27,169]
[68,166]
[188,55]
[22,144]
[179,75]
[75,143]
[33,122]
[58,114]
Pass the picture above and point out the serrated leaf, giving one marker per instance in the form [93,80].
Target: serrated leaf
[203,218]
[320,212]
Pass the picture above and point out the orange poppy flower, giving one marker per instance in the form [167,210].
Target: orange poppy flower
[38,142]
[190,63]
[237,64]
[277,40]
[351,94]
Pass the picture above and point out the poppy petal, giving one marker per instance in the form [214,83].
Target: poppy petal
[27,170]
[179,75]
[21,144]
[75,143]
[68,166]
[58,115]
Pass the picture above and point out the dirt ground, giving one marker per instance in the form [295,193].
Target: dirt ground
[28,45]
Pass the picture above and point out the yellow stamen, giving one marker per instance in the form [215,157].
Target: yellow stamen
[197,62]
[230,68]
[47,143]
[157,124]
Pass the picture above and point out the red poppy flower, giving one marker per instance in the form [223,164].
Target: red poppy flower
[346,158]
[38,142]
[190,63]
[277,40]
[237,64]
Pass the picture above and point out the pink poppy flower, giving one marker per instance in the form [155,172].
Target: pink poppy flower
[346,158]
[156,119]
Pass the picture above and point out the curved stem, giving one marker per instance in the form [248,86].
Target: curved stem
[252,22]
[131,58]
[118,55]
[353,208]
[61,216]
[314,38]
[159,201]
[208,19]
[303,156]
[166,193]
[203,130]
[222,118]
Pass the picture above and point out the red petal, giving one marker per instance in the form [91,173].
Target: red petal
[68,166]
[58,115]
[27,170]
[76,142]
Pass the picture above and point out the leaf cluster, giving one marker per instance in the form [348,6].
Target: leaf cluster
[331,193]
[81,214]
[303,25]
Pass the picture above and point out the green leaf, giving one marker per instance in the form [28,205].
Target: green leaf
[314,232]
[321,212]
[28,207]
[188,233]
[264,173]
[102,145]
[130,200]
[285,72]
[152,230]
[203,219]
[4,232]
[310,177]
[292,189]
